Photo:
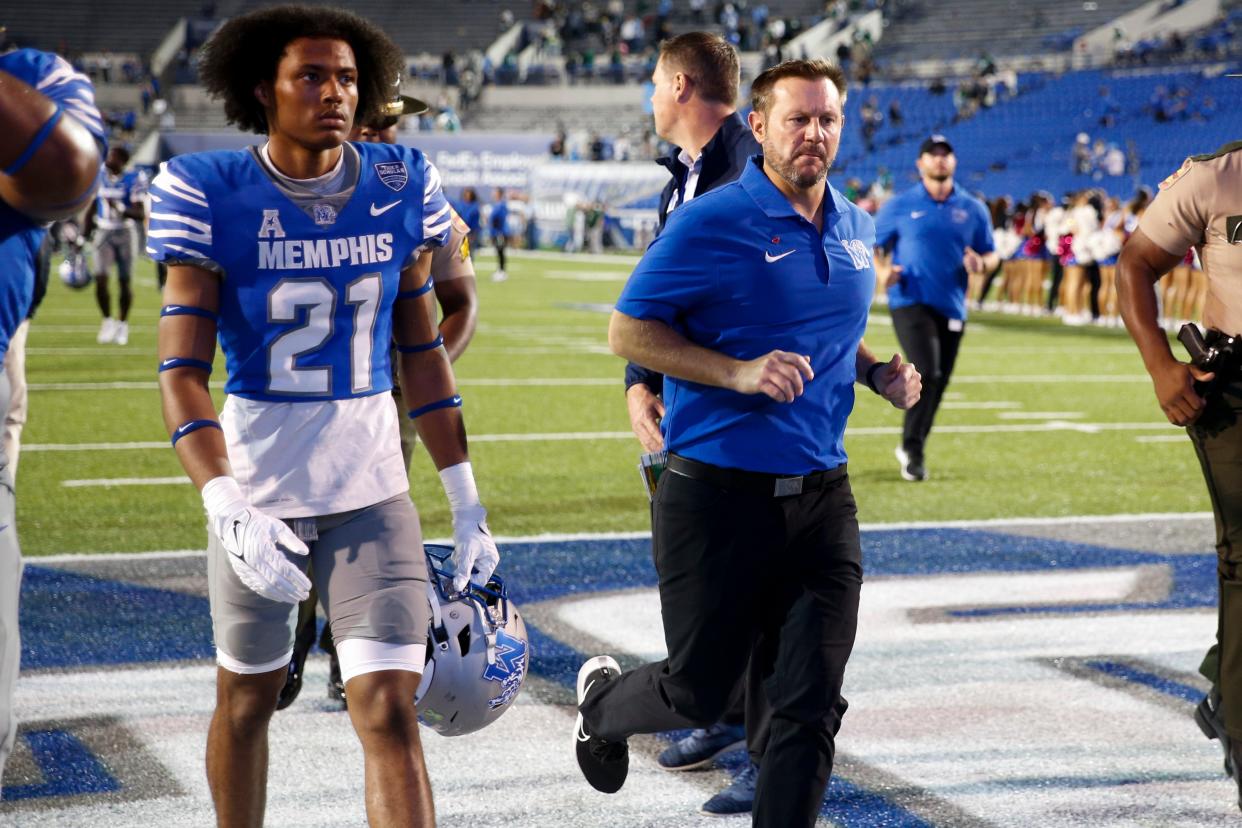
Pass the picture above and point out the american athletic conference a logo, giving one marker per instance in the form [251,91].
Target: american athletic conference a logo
[860,255]
[508,668]
[393,174]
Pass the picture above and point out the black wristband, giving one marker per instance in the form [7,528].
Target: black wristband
[870,375]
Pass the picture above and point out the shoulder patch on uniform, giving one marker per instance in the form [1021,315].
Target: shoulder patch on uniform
[393,173]
[1232,146]
[1181,171]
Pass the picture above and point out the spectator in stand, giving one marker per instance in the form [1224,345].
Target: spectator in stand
[895,116]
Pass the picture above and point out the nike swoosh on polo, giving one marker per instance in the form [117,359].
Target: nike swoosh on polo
[917,214]
[379,211]
[769,258]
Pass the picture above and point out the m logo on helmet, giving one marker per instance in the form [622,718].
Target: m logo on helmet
[508,668]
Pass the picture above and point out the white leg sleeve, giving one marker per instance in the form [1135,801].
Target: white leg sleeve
[359,655]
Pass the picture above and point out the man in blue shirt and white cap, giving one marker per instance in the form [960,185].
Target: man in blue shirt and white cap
[752,302]
[929,239]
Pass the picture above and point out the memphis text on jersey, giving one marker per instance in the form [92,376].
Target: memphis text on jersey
[278,253]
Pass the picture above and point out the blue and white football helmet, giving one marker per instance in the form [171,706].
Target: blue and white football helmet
[73,271]
[478,653]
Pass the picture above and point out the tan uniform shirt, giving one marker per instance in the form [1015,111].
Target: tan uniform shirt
[1200,206]
[452,261]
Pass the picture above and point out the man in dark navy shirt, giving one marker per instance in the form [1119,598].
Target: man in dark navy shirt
[694,107]
[753,302]
[928,240]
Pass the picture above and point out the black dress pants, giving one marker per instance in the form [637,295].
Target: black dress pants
[757,584]
[926,338]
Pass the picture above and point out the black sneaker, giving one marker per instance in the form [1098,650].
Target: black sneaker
[604,764]
[336,687]
[302,644]
[912,468]
[1211,721]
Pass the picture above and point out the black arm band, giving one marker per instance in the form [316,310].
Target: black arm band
[870,375]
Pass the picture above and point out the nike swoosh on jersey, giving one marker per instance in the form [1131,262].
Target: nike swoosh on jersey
[918,214]
[769,258]
[379,211]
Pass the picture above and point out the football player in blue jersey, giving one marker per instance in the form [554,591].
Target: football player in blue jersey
[452,271]
[306,257]
[51,142]
[112,227]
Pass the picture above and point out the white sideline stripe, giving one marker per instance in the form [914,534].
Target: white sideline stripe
[585,276]
[980,405]
[875,431]
[1040,415]
[124,481]
[571,537]
[1049,378]
[95,351]
[1162,438]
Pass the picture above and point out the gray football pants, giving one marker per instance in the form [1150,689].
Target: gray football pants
[10,589]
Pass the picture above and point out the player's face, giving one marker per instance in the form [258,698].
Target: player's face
[663,99]
[939,164]
[116,161]
[315,93]
[801,131]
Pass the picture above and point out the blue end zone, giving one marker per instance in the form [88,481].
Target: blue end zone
[68,768]
[73,620]
[70,620]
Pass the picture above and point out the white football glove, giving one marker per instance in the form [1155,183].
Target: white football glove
[474,552]
[254,542]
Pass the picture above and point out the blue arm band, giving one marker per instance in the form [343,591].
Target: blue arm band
[448,402]
[414,294]
[184,362]
[36,142]
[187,310]
[414,349]
[191,427]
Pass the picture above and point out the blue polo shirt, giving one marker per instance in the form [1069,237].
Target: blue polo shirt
[738,271]
[928,238]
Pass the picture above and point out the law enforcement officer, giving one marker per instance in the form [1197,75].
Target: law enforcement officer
[930,239]
[1200,206]
[693,103]
[753,303]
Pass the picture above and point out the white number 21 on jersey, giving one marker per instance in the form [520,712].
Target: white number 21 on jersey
[317,298]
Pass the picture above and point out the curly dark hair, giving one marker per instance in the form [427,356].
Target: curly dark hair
[246,50]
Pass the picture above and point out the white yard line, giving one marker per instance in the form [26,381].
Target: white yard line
[967,406]
[124,481]
[1039,415]
[874,431]
[575,537]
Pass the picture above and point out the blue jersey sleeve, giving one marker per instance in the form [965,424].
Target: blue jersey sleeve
[179,231]
[886,225]
[675,275]
[982,241]
[437,214]
[52,76]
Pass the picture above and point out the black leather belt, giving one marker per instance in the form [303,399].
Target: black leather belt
[758,483]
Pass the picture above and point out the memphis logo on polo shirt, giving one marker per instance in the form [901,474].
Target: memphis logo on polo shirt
[860,253]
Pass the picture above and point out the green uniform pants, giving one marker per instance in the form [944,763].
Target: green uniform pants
[1218,442]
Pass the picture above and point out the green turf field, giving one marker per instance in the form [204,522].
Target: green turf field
[993,454]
